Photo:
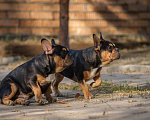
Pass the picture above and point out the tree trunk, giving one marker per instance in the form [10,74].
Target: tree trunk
[64,17]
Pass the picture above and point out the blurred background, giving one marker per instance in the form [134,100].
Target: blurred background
[125,22]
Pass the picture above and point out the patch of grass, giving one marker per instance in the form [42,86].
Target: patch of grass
[60,86]
[75,87]
[66,88]
[114,91]
[128,70]
[69,87]
[121,90]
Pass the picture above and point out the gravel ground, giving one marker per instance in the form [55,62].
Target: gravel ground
[105,106]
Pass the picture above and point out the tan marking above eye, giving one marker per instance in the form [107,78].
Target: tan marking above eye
[64,49]
[111,45]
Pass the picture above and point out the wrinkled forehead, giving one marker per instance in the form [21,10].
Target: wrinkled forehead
[112,44]
[108,43]
[65,49]
[61,48]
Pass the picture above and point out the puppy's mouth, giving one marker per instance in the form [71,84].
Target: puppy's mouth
[118,55]
[115,54]
[115,57]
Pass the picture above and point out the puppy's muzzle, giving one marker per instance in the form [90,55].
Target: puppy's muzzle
[118,53]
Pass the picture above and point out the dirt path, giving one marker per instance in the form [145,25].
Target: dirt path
[115,100]
[102,107]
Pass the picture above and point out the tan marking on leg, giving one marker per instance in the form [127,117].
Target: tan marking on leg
[40,78]
[59,63]
[55,83]
[86,75]
[47,94]
[37,92]
[97,79]
[85,89]
[97,82]
[6,99]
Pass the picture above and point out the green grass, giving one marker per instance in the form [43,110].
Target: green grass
[108,87]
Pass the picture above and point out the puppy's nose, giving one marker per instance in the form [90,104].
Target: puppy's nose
[118,53]
[117,49]
[119,56]
[71,55]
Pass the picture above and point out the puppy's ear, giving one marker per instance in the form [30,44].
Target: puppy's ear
[96,42]
[47,47]
[53,42]
[101,37]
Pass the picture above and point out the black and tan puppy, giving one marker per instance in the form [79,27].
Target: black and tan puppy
[29,79]
[88,64]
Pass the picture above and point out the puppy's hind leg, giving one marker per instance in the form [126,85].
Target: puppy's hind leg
[8,93]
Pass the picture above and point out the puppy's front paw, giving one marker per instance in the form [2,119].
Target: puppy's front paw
[25,102]
[58,93]
[91,84]
[88,96]
[95,84]
[40,102]
[52,100]
[10,103]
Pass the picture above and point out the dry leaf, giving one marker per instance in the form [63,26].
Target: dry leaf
[68,105]
[77,95]
[134,100]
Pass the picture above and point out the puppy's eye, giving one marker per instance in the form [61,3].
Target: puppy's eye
[110,47]
[63,54]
